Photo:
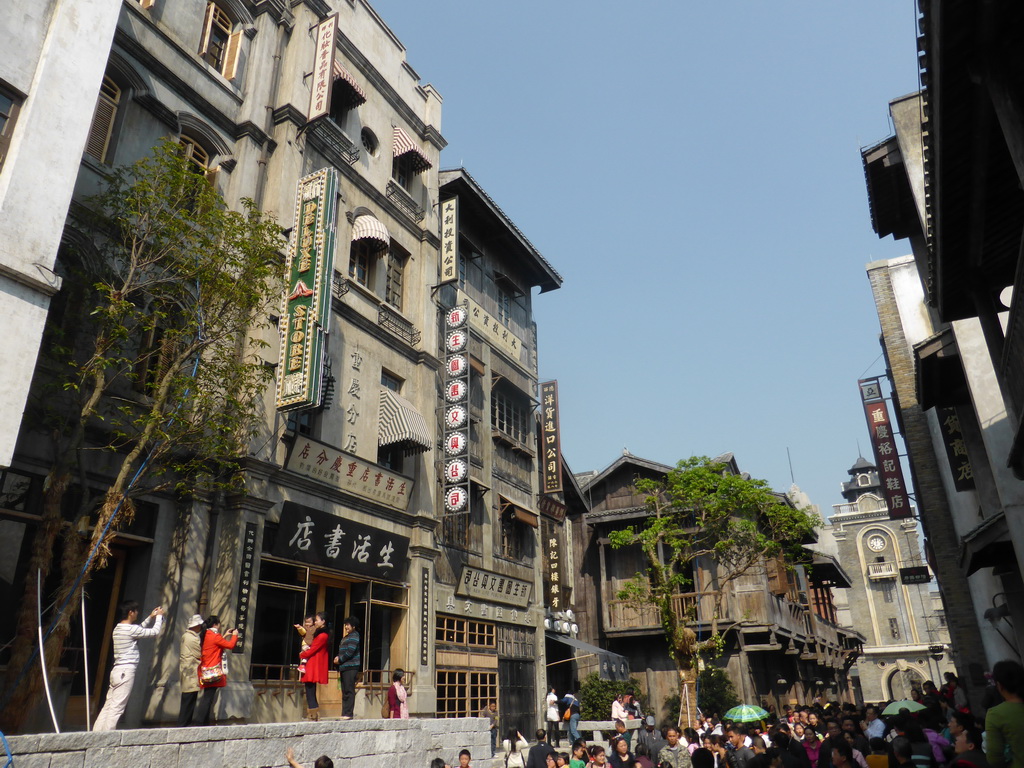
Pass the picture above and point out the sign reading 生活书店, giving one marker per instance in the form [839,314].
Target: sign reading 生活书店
[305,316]
[323,68]
[349,473]
[323,539]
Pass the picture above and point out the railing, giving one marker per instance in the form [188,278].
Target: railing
[627,614]
[398,325]
[882,571]
[760,608]
[328,138]
[404,200]
[845,509]
[274,675]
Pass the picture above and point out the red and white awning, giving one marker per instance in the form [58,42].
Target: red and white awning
[404,145]
[367,227]
[342,76]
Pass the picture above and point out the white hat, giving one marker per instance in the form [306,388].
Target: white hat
[195,621]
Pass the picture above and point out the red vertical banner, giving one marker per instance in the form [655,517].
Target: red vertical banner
[887,458]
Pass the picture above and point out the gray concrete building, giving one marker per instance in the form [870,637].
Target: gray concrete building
[904,625]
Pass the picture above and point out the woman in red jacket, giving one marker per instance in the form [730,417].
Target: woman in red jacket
[316,663]
[213,646]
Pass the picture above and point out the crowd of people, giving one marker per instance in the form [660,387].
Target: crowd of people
[938,730]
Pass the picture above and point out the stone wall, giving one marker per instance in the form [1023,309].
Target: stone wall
[347,743]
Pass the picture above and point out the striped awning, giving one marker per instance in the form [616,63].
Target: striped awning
[367,227]
[404,145]
[400,422]
[354,94]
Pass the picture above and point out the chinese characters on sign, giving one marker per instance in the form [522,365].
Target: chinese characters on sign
[918,574]
[455,485]
[461,606]
[305,316]
[425,622]
[449,240]
[329,541]
[352,412]
[551,457]
[323,68]
[956,449]
[493,331]
[245,584]
[485,585]
[890,472]
[349,473]
[555,576]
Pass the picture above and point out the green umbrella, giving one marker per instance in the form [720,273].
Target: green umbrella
[896,706]
[745,713]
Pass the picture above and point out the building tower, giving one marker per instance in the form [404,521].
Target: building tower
[907,640]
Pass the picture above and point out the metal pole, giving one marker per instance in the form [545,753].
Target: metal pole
[42,649]
[85,656]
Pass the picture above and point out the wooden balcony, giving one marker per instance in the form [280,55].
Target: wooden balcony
[627,616]
[882,571]
[758,608]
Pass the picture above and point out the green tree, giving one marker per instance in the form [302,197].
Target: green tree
[597,695]
[705,513]
[715,692]
[153,376]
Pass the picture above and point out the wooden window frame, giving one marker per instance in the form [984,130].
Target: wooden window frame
[220,51]
[104,117]
[394,278]
[361,259]
[510,415]
[8,119]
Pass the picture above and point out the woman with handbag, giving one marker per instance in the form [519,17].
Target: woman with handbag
[314,657]
[212,676]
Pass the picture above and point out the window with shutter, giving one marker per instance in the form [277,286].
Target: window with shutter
[217,39]
[98,144]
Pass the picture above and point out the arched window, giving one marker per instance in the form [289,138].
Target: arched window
[868,503]
[863,480]
[219,45]
[194,151]
[98,144]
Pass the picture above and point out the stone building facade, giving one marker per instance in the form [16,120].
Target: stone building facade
[904,624]
[342,509]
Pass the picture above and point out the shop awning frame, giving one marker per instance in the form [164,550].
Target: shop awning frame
[611,666]
[519,512]
[354,94]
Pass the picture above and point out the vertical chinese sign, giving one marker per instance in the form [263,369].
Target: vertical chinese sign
[456,411]
[245,585]
[323,68]
[305,316]
[956,449]
[449,240]
[890,472]
[551,465]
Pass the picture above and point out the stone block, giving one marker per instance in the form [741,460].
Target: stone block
[262,752]
[165,756]
[117,757]
[32,761]
[143,736]
[205,753]
[78,740]
[191,735]
[24,745]
[236,752]
[68,760]
[255,731]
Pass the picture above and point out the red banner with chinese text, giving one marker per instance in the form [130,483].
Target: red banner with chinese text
[890,472]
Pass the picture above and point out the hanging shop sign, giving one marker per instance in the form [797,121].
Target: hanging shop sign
[324,540]
[449,240]
[492,330]
[956,449]
[918,574]
[455,477]
[425,623]
[551,464]
[349,473]
[305,316]
[323,68]
[467,607]
[555,567]
[887,459]
[485,585]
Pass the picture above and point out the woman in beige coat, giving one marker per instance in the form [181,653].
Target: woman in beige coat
[188,665]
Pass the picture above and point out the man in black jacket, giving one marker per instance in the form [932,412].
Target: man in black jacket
[538,755]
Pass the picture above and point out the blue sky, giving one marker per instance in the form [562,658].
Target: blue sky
[692,169]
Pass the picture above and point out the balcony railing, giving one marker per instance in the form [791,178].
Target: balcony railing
[398,325]
[627,614]
[404,200]
[328,138]
[882,571]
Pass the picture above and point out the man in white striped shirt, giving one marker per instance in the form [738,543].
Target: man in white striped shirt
[126,658]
